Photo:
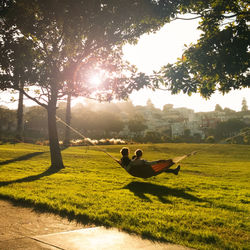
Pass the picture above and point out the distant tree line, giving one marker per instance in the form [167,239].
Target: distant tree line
[231,131]
[106,120]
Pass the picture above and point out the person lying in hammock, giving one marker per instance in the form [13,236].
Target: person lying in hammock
[138,167]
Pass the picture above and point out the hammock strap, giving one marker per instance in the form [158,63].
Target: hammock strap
[84,137]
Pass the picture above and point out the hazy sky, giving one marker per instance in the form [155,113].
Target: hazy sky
[156,50]
[165,46]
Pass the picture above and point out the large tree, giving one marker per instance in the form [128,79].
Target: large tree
[19,127]
[220,58]
[63,39]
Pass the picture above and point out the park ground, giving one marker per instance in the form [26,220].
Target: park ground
[25,228]
[205,207]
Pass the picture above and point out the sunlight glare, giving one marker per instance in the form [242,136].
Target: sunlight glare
[95,79]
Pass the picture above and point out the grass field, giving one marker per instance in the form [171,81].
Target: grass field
[206,206]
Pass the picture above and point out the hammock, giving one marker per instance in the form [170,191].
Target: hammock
[143,169]
[139,170]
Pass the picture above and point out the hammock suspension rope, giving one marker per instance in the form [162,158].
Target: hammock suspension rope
[175,160]
[84,137]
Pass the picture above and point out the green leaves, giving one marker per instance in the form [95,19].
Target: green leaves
[58,37]
[65,36]
[220,59]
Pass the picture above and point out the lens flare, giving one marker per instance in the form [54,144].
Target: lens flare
[95,79]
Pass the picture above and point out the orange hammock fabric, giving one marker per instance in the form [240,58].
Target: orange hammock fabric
[162,165]
[143,169]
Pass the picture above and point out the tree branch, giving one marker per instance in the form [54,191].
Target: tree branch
[199,15]
[237,14]
[33,99]
[187,19]
[167,89]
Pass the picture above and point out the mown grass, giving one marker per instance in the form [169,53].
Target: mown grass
[206,206]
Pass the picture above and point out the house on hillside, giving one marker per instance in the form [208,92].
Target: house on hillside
[246,119]
[177,129]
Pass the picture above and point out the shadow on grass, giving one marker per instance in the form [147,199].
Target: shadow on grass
[21,158]
[51,170]
[140,189]
[46,208]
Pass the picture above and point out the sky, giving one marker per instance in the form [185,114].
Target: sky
[155,50]
[158,49]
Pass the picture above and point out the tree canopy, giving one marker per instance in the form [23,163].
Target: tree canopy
[220,58]
[55,40]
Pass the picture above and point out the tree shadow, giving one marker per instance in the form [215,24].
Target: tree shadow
[140,189]
[51,170]
[21,158]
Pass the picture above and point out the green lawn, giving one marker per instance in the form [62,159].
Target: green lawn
[206,206]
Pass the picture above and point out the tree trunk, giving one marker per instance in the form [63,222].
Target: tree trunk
[55,151]
[68,121]
[19,129]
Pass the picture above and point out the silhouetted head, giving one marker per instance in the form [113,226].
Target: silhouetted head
[138,153]
[124,151]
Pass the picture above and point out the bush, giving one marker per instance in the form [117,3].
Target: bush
[88,142]
[210,139]
[153,137]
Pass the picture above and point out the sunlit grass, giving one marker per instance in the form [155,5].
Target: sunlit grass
[206,206]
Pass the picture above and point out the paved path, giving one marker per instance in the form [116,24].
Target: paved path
[23,228]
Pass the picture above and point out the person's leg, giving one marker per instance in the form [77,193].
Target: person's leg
[173,171]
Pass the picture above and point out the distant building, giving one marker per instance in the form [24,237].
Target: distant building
[246,118]
[177,129]
[174,121]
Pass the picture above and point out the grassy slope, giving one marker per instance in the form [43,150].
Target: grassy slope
[206,206]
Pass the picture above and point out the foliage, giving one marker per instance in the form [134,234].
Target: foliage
[36,119]
[54,53]
[247,138]
[244,105]
[137,124]
[220,58]
[218,108]
[96,124]
[228,128]
[7,117]
[152,136]
[245,132]
[7,125]
[204,207]
[210,139]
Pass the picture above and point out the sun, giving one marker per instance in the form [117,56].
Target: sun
[95,79]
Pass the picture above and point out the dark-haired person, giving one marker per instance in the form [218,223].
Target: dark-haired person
[144,169]
[158,166]
[125,160]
